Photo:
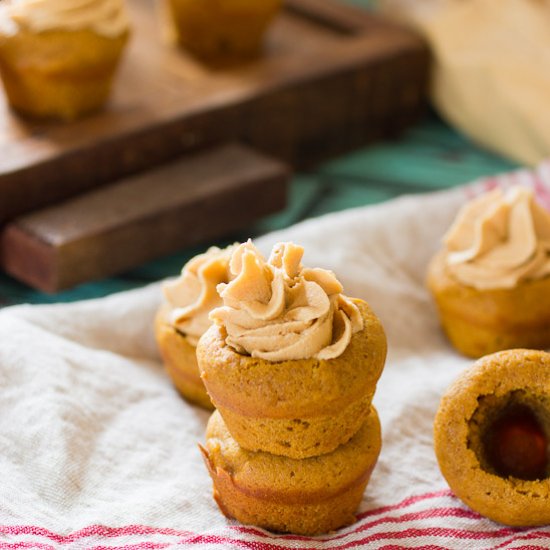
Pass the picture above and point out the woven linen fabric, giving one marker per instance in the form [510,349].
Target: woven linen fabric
[97,450]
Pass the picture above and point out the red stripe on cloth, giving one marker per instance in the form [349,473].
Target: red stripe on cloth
[91,531]
[102,530]
[411,533]
[368,521]
[414,533]
[138,546]
[408,502]
[360,527]
[491,183]
[416,516]
[534,178]
[23,544]
[129,530]
[224,541]
[542,191]
[526,536]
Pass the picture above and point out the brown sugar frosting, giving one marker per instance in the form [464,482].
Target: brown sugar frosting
[491,281]
[183,318]
[499,240]
[278,310]
[106,17]
[193,295]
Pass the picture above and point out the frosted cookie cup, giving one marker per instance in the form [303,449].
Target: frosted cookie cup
[491,281]
[183,318]
[290,362]
[58,57]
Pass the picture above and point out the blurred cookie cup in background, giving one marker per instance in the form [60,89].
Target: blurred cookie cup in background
[221,30]
[58,57]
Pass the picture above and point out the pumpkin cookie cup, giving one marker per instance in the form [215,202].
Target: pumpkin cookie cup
[480,322]
[58,60]
[183,318]
[180,360]
[298,408]
[290,362]
[217,30]
[491,281]
[305,497]
[491,437]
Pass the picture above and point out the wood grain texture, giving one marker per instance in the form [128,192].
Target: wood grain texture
[125,224]
[331,79]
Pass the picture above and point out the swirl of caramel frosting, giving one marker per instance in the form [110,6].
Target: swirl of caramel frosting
[193,295]
[105,17]
[499,240]
[278,310]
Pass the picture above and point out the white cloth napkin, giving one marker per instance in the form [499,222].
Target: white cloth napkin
[98,451]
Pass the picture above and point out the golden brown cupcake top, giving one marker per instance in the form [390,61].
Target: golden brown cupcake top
[193,295]
[105,17]
[278,310]
[499,240]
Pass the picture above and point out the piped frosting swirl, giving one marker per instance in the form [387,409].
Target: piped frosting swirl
[278,310]
[499,240]
[105,17]
[193,295]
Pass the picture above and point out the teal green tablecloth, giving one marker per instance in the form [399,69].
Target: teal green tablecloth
[429,156]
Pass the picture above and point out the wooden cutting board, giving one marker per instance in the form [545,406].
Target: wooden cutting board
[332,78]
[124,224]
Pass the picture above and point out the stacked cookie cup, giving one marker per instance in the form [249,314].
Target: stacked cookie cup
[291,365]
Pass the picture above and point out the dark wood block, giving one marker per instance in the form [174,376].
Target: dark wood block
[122,225]
[332,78]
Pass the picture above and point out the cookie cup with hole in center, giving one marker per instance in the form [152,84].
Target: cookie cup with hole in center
[491,437]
